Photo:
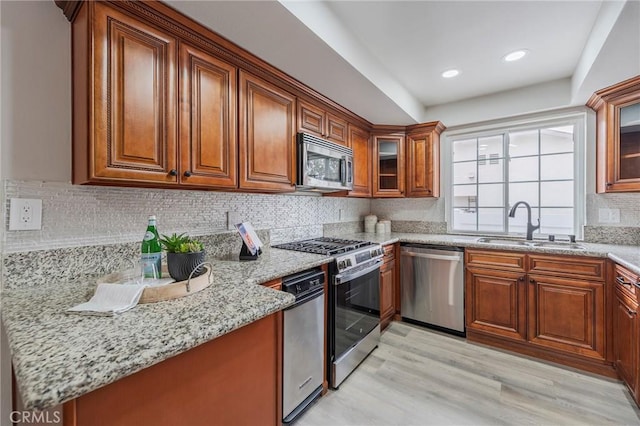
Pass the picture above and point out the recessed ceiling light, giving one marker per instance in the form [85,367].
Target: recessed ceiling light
[450,73]
[514,56]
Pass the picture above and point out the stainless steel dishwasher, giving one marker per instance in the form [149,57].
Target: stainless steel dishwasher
[303,343]
[432,283]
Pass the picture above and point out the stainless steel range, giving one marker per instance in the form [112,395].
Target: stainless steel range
[354,301]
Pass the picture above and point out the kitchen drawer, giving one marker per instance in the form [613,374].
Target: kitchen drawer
[389,252]
[496,259]
[625,282]
[274,284]
[568,266]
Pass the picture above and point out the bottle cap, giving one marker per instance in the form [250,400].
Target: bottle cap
[152,217]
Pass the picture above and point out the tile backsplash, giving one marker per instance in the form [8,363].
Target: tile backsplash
[74,216]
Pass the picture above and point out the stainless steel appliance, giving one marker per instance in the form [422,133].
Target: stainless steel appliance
[323,166]
[354,301]
[432,286]
[303,343]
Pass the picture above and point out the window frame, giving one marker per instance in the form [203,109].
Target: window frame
[578,118]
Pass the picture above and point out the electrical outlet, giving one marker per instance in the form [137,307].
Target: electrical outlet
[25,214]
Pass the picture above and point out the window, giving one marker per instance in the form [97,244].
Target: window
[491,170]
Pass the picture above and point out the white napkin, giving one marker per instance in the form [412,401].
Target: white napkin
[110,299]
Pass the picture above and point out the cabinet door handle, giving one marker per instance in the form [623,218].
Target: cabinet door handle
[630,312]
[521,279]
[532,281]
[609,184]
[173,172]
[620,280]
[187,173]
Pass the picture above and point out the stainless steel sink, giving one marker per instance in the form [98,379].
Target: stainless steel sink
[502,241]
[544,244]
[558,245]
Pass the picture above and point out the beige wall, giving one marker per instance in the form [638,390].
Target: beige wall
[36,92]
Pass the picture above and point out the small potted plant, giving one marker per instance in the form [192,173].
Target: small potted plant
[183,256]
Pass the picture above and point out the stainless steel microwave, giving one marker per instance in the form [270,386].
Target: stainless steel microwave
[323,166]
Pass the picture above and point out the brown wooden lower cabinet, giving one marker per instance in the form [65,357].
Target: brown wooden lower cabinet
[496,302]
[234,379]
[626,348]
[557,313]
[388,283]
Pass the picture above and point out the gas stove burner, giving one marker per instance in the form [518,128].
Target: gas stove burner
[324,245]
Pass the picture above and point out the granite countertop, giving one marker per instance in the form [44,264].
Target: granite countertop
[628,256]
[58,356]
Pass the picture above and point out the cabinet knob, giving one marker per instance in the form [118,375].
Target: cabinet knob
[521,279]
[630,312]
[609,184]
[187,173]
[532,281]
[173,172]
[428,191]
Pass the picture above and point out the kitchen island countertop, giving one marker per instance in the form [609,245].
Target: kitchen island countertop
[58,356]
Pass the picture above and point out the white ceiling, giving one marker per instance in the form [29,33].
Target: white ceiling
[383,59]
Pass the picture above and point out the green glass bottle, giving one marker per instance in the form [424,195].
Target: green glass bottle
[151,251]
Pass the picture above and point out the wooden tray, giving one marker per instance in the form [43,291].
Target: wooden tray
[169,291]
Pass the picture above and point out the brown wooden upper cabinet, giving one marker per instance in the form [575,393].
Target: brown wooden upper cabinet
[618,136]
[208,127]
[423,160]
[124,99]
[360,142]
[314,119]
[267,136]
[144,83]
[388,165]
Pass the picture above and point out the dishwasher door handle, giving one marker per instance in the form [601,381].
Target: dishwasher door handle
[431,256]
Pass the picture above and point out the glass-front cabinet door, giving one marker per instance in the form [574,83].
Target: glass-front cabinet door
[629,148]
[388,173]
[618,136]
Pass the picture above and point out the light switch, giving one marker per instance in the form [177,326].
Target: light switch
[609,215]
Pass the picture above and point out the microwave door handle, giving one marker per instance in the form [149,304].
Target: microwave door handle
[349,171]
[343,171]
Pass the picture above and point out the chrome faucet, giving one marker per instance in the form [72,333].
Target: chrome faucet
[530,226]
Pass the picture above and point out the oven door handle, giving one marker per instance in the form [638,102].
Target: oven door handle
[341,278]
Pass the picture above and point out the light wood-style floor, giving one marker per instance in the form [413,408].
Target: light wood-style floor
[420,377]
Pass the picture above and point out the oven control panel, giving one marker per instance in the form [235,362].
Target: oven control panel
[352,259]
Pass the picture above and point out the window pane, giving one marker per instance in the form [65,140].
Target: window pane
[464,220]
[556,139]
[518,223]
[465,196]
[490,145]
[491,195]
[464,172]
[557,221]
[491,220]
[556,194]
[558,166]
[523,192]
[522,169]
[464,150]
[523,143]
[491,170]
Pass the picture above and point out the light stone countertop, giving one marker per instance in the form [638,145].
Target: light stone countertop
[59,356]
[628,256]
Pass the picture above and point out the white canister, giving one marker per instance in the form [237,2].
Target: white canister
[370,223]
[387,225]
[380,228]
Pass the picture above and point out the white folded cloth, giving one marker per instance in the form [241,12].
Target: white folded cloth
[110,299]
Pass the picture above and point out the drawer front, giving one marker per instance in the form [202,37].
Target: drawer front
[625,282]
[496,259]
[568,266]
